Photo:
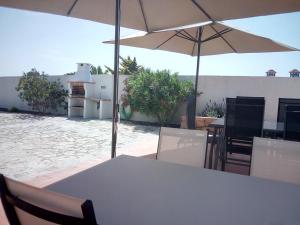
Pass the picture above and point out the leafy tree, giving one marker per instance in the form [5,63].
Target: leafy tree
[128,66]
[39,93]
[71,73]
[99,70]
[108,70]
[56,96]
[93,69]
[157,93]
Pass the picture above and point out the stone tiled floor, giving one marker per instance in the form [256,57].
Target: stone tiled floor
[43,150]
[33,145]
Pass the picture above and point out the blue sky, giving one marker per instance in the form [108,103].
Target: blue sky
[55,44]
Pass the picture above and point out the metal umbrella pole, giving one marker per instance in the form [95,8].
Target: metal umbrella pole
[116,79]
[193,125]
[200,29]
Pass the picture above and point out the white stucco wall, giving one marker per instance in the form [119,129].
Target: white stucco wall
[218,87]
[214,88]
[8,94]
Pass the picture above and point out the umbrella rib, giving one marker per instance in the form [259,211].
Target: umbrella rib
[187,33]
[176,32]
[71,9]
[224,39]
[143,13]
[217,35]
[210,18]
[202,10]
[184,36]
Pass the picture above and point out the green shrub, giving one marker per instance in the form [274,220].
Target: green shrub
[14,109]
[41,94]
[156,93]
[126,112]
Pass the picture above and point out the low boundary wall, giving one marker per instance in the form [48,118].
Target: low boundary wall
[214,88]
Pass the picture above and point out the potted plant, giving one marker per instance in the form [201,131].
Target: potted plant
[210,113]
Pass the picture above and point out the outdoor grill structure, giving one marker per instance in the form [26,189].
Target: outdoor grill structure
[85,96]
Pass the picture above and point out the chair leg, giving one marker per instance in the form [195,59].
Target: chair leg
[206,149]
[217,157]
[223,164]
[212,148]
[224,157]
[218,152]
[250,164]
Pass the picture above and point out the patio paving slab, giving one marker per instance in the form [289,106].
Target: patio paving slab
[32,145]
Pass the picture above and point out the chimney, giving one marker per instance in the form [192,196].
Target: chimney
[294,73]
[271,73]
[83,73]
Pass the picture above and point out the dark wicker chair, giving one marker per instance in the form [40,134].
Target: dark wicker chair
[292,123]
[282,104]
[243,120]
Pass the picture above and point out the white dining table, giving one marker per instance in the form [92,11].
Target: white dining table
[270,126]
[138,191]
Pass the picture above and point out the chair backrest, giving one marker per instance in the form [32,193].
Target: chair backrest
[250,100]
[182,146]
[249,116]
[229,122]
[292,123]
[27,205]
[243,120]
[276,159]
[282,103]
[244,117]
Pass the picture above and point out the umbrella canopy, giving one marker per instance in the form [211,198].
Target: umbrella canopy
[217,38]
[210,38]
[151,15]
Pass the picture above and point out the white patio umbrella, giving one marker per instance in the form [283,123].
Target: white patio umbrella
[151,15]
[213,37]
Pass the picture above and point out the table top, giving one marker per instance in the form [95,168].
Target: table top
[268,125]
[138,191]
[218,123]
